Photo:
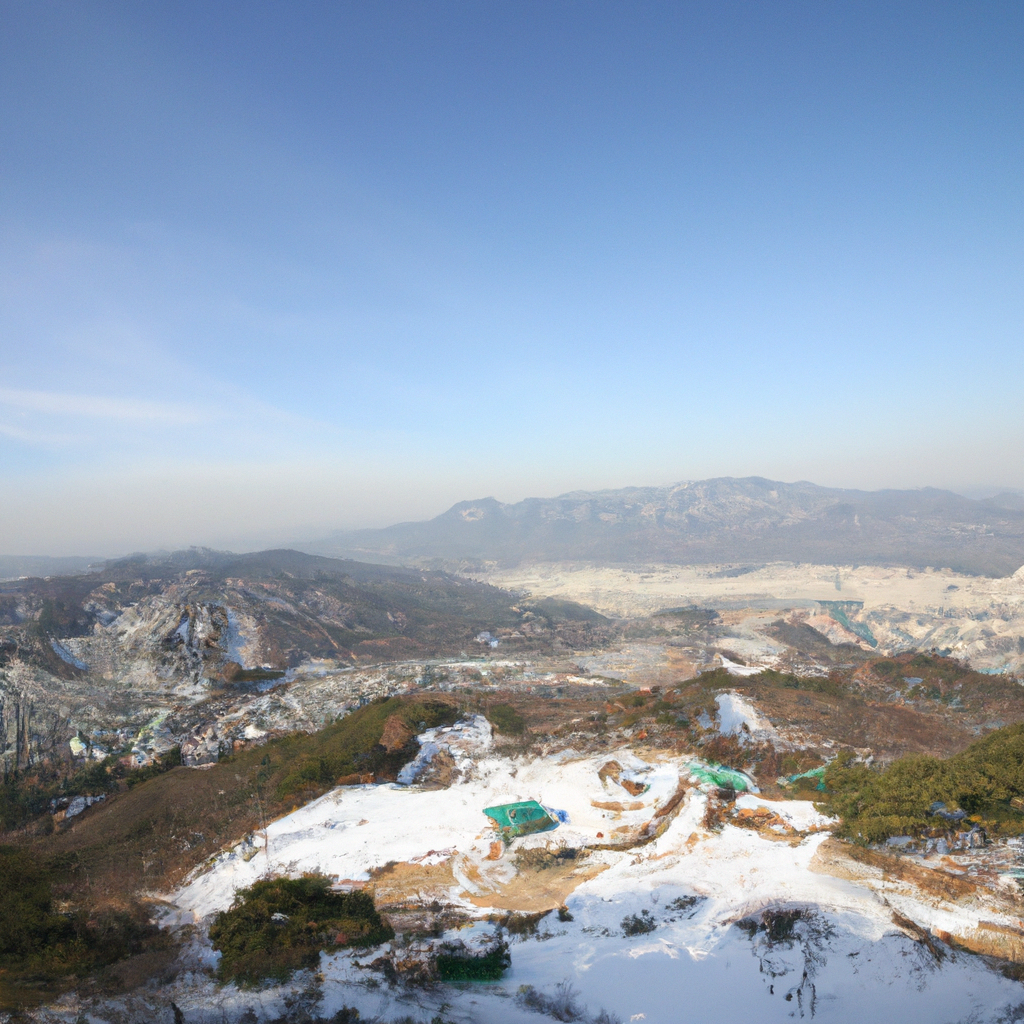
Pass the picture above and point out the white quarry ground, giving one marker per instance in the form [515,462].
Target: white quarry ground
[977,618]
[626,591]
[845,960]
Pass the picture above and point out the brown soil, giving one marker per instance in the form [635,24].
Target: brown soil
[396,734]
[760,819]
[356,779]
[533,891]
[407,885]
[844,860]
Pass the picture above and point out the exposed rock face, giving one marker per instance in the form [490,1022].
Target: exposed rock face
[202,747]
[79,803]
[142,639]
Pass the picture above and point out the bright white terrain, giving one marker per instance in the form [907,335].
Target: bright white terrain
[978,619]
[853,955]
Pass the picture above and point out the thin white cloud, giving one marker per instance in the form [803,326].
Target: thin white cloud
[53,403]
[33,436]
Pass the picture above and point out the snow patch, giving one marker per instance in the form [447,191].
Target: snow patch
[800,814]
[738,717]
[735,669]
[66,656]
[464,741]
[845,960]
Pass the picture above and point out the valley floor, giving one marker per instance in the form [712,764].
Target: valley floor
[977,619]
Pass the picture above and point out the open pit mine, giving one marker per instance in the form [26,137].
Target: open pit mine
[283,787]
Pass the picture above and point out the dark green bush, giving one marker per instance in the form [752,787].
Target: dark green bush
[27,924]
[280,925]
[875,804]
[506,719]
[40,947]
[638,924]
[458,964]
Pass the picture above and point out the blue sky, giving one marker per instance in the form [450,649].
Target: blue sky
[273,269]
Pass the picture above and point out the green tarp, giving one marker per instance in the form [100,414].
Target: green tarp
[815,773]
[520,819]
[719,776]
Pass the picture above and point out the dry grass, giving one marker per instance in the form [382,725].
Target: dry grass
[889,730]
[149,837]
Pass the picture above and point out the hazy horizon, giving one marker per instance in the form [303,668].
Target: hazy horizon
[272,271]
[218,539]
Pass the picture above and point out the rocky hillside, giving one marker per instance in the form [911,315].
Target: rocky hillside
[713,521]
[148,637]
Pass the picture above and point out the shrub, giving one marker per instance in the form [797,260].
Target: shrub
[778,925]
[524,924]
[638,924]
[684,903]
[506,719]
[280,925]
[458,964]
[875,804]
[562,1005]
[539,858]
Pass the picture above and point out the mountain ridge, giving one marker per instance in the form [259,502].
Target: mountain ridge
[720,520]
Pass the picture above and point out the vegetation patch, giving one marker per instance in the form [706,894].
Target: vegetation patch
[524,924]
[353,745]
[506,719]
[875,804]
[543,859]
[147,836]
[26,794]
[234,674]
[778,925]
[638,924]
[457,963]
[43,948]
[280,925]
[556,610]
[686,904]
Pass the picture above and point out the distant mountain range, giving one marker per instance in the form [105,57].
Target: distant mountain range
[724,520]
[13,567]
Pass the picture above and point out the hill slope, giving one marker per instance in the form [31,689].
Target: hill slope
[144,638]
